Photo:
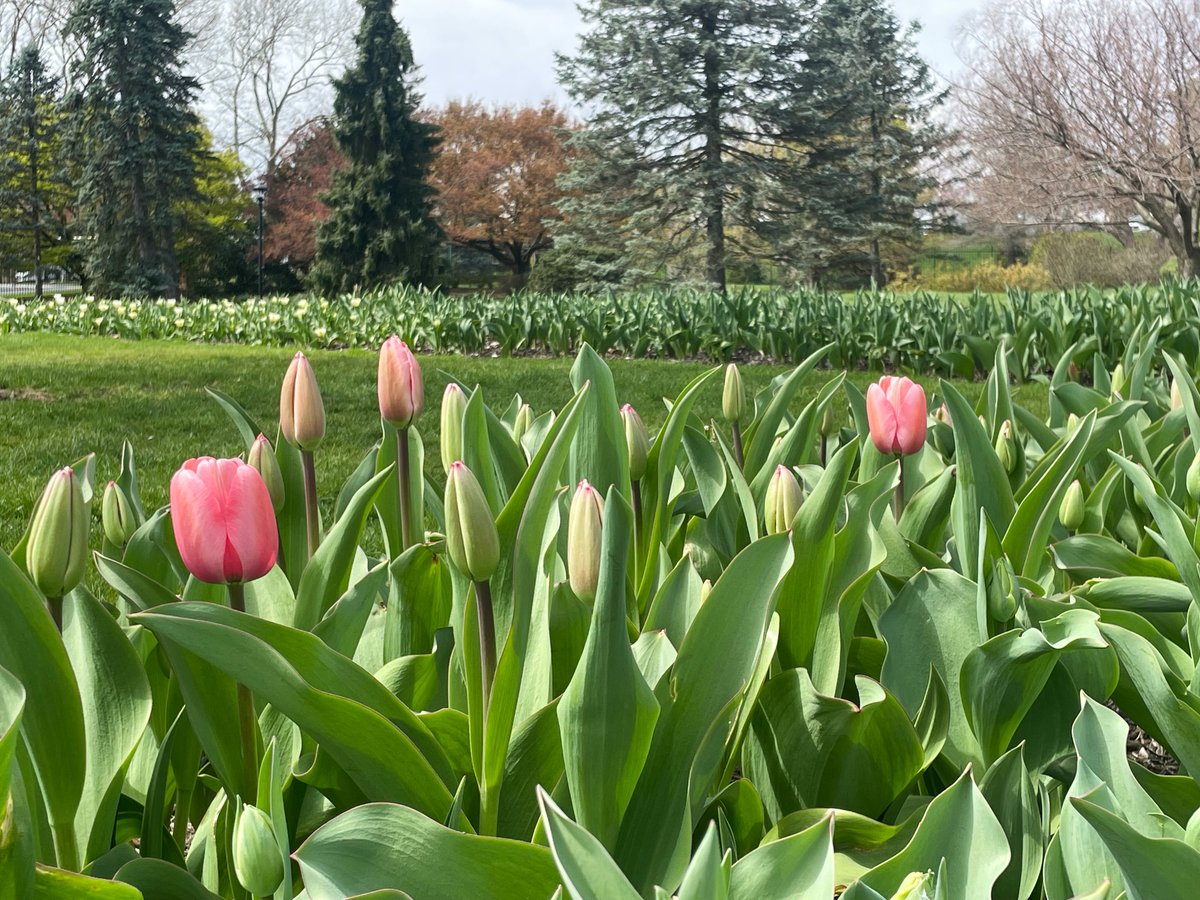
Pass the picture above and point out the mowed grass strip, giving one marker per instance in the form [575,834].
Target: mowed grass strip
[63,397]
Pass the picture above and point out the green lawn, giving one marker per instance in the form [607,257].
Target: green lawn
[62,397]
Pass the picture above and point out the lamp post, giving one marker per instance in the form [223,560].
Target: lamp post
[259,193]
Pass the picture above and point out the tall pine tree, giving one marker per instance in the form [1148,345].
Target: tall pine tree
[701,92]
[381,226]
[136,139]
[34,194]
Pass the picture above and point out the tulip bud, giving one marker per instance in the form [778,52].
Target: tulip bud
[400,384]
[58,535]
[827,422]
[522,423]
[454,404]
[585,534]
[784,497]
[1072,371]
[301,412]
[915,886]
[117,515]
[705,590]
[943,415]
[1072,423]
[1193,479]
[1176,397]
[1118,379]
[733,400]
[262,458]
[637,440]
[257,858]
[1071,510]
[1006,448]
[471,537]
[1002,593]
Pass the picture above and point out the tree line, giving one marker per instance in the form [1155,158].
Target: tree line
[709,141]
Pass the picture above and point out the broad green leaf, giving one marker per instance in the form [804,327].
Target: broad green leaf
[797,867]
[58,884]
[159,880]
[599,453]
[382,846]
[586,869]
[761,434]
[1010,792]
[16,851]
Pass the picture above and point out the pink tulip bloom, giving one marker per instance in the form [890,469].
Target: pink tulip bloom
[223,519]
[897,414]
[401,386]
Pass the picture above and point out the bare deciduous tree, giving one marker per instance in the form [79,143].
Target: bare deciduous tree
[1087,112]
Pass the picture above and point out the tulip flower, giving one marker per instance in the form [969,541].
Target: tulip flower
[117,515]
[302,422]
[783,500]
[401,386]
[58,537]
[262,458]
[585,535]
[301,412]
[897,415]
[454,404]
[733,407]
[257,858]
[223,520]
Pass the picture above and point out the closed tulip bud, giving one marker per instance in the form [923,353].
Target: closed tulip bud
[827,422]
[522,423]
[1006,447]
[784,497]
[637,440]
[915,886]
[401,386]
[454,404]
[1193,479]
[705,591]
[58,535]
[262,459]
[1072,371]
[943,415]
[471,537]
[223,520]
[301,412]
[585,534]
[897,415]
[1176,397]
[117,515]
[1002,593]
[1118,379]
[257,858]
[733,400]
[1072,423]
[1071,510]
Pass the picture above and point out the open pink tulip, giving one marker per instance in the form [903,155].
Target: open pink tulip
[401,387]
[897,414]
[223,519]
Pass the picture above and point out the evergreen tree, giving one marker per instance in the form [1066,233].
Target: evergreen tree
[689,100]
[34,197]
[381,226]
[136,139]
[868,187]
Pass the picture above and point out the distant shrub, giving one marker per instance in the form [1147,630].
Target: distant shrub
[987,276]
[1092,257]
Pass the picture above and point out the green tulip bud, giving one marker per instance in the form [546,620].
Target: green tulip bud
[1193,479]
[1002,593]
[117,515]
[262,458]
[1118,379]
[915,886]
[471,537]
[58,535]
[827,422]
[637,441]
[1176,397]
[1072,423]
[454,404]
[705,590]
[784,497]
[522,423]
[585,534]
[1006,447]
[257,857]
[733,400]
[1071,510]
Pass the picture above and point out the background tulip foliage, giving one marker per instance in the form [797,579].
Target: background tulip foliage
[765,656]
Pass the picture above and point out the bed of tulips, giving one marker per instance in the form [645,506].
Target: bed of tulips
[917,332]
[762,657]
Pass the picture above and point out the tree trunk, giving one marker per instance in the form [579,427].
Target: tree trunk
[878,276]
[714,187]
[35,195]
[1189,250]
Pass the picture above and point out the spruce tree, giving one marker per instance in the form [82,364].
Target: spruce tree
[34,195]
[688,101]
[136,140]
[381,225]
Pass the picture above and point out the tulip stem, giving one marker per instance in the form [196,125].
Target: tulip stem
[66,850]
[403,475]
[487,638]
[56,611]
[738,452]
[247,721]
[899,498]
[311,513]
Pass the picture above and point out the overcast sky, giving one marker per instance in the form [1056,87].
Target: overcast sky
[503,50]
